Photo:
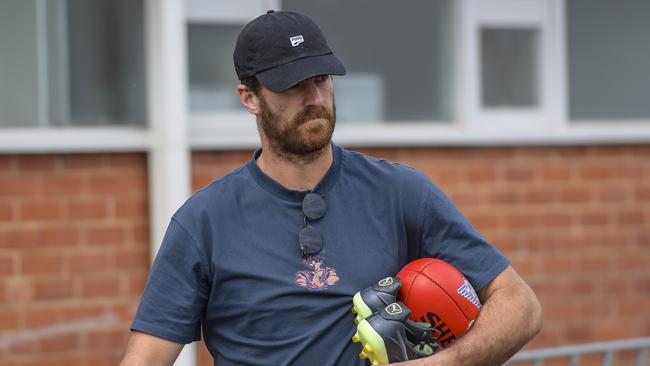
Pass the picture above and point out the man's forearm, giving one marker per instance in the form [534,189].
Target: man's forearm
[511,315]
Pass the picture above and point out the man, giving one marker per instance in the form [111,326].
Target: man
[265,260]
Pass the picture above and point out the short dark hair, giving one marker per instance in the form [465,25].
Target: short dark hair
[252,84]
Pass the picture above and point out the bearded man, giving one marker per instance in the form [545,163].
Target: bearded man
[265,261]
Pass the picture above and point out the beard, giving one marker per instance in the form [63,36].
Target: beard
[291,139]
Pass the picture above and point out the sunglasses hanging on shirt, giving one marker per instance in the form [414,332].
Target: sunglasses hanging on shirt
[311,240]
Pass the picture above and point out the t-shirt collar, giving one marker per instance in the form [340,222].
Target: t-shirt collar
[277,189]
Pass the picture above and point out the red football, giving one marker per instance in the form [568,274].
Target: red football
[437,293]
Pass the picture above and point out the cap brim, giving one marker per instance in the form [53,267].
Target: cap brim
[283,77]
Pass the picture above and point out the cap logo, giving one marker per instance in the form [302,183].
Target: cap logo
[296,40]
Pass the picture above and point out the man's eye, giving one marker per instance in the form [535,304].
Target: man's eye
[321,78]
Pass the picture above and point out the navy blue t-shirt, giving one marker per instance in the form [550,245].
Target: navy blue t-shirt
[230,263]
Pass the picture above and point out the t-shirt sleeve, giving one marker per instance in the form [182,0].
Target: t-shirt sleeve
[446,234]
[177,290]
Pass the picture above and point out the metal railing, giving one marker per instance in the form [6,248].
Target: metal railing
[573,353]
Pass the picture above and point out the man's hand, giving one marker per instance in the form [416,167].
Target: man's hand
[511,315]
[147,350]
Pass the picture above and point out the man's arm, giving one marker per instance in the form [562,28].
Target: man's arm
[144,349]
[510,316]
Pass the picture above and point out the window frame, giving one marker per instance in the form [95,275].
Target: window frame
[470,126]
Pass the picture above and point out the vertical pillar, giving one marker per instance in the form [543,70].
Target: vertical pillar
[169,154]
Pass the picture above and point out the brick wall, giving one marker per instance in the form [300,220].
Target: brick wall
[575,221]
[74,240]
[74,253]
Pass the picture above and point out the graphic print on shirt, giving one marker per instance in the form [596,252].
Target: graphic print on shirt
[318,276]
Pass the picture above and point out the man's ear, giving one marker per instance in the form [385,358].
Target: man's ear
[248,99]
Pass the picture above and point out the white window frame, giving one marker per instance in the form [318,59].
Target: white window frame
[542,15]
[471,125]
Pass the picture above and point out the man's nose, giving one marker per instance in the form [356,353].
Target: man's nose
[313,94]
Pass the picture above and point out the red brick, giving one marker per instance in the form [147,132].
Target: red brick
[88,263]
[41,163]
[87,209]
[23,347]
[107,339]
[483,221]
[556,174]
[19,290]
[595,218]
[106,236]
[519,174]
[100,286]
[60,343]
[84,161]
[132,207]
[557,219]
[612,195]
[65,184]
[6,212]
[53,288]
[8,320]
[83,312]
[481,175]
[642,194]
[631,217]
[18,187]
[521,219]
[42,263]
[7,163]
[17,238]
[125,311]
[550,265]
[116,184]
[40,318]
[575,195]
[141,234]
[593,263]
[60,236]
[443,176]
[132,259]
[596,173]
[7,265]
[127,160]
[540,196]
[137,282]
[41,211]
[504,197]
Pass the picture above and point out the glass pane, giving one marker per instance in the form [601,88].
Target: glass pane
[609,59]
[509,67]
[106,60]
[400,72]
[212,75]
[19,64]
[71,62]
[398,56]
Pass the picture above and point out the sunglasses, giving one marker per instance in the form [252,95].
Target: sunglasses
[313,208]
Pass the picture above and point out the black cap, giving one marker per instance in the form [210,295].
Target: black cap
[283,48]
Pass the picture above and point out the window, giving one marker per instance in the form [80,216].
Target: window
[72,63]
[397,56]
[509,67]
[608,59]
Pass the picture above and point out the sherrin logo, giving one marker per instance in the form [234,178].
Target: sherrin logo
[465,290]
[296,40]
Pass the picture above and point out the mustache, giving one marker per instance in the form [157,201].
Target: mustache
[313,112]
